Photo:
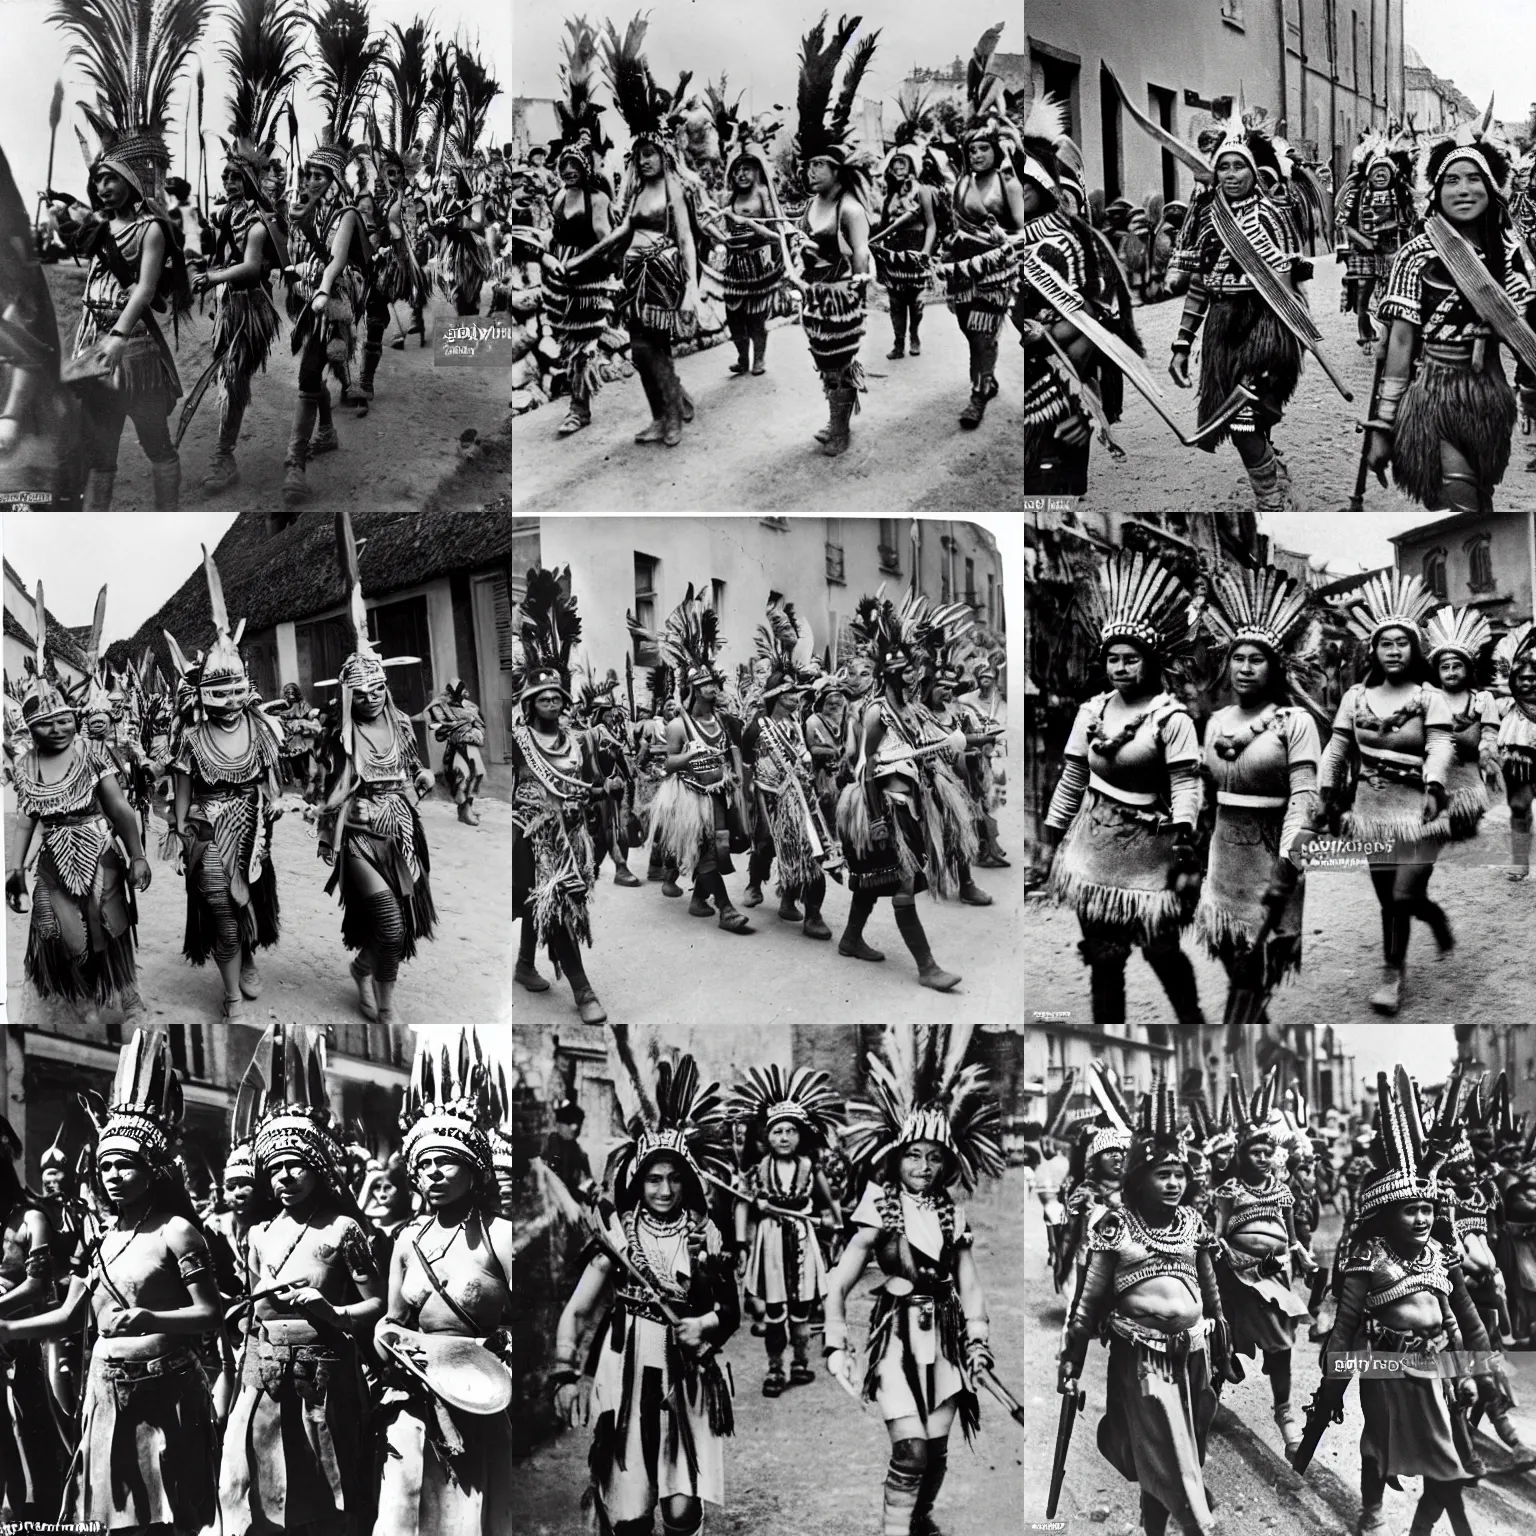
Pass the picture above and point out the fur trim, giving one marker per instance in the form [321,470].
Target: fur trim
[1474,411]
[1245,342]
[1221,929]
[1145,917]
[1468,805]
[1404,827]
[682,821]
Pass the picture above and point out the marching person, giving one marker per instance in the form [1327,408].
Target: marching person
[444,1469]
[783,1271]
[1374,219]
[1455,638]
[1517,745]
[1444,410]
[1150,1284]
[653,1390]
[302,728]
[753,256]
[907,229]
[1091,1189]
[1392,744]
[370,831]
[932,1123]
[1122,819]
[554,775]
[456,721]
[941,683]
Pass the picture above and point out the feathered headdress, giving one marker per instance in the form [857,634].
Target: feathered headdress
[550,627]
[986,112]
[660,682]
[688,1128]
[581,129]
[920,1090]
[1156,1138]
[822,127]
[89,696]
[1447,1132]
[1458,631]
[222,661]
[289,1113]
[500,1130]
[346,67]
[265,56]
[1389,600]
[644,105]
[448,1102]
[1406,1165]
[1479,142]
[1138,598]
[741,136]
[1252,1117]
[41,696]
[911,138]
[1209,1134]
[690,640]
[1247,133]
[404,69]
[146,1106]
[132,52]
[1111,1128]
[1263,606]
[786,643]
[478,88]
[804,1097]
[904,635]
[364,667]
[1519,643]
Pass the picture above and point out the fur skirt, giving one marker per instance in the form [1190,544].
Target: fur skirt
[1473,411]
[1244,343]
[245,325]
[1245,843]
[553,872]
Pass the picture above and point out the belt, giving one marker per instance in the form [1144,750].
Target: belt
[1125,796]
[1462,354]
[1179,1343]
[74,818]
[1406,1341]
[1255,802]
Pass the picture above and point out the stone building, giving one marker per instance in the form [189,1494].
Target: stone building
[1475,559]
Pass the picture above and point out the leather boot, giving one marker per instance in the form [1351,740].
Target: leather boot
[372,352]
[852,942]
[166,480]
[577,416]
[914,314]
[1268,492]
[760,345]
[814,927]
[899,326]
[1290,1430]
[224,472]
[98,490]
[929,973]
[970,417]
[1387,998]
[672,400]
[644,357]
[743,363]
[842,403]
[823,433]
[788,911]
[304,416]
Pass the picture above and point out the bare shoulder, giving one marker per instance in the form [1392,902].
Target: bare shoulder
[181,1236]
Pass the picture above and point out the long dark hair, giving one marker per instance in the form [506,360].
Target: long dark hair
[1418,667]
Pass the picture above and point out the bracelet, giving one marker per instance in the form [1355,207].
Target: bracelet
[561,1378]
[977,1329]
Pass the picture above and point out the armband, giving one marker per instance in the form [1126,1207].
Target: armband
[40,1264]
[194,1265]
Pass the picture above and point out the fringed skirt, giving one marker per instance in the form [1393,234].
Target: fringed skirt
[932,829]
[553,872]
[338,325]
[687,826]
[643,1449]
[245,326]
[905,273]
[1474,411]
[786,1265]
[80,945]
[1245,843]
[1261,1313]
[393,843]
[465,264]
[421,1494]
[143,366]
[149,1450]
[1244,343]
[1387,812]
[654,284]
[400,278]
[293,1446]
[1115,869]
[1517,747]
[832,315]
[1468,799]
[32,1454]
[580,311]
[226,830]
[1157,1419]
[916,1350]
[752,272]
[980,278]
[787,825]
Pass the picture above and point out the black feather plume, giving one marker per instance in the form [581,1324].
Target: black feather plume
[853,75]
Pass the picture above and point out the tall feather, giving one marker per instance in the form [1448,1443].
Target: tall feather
[347,64]
[818,68]
[405,66]
[477,90]
[265,56]
[346,554]
[216,595]
[98,623]
[636,96]
[983,89]
[853,75]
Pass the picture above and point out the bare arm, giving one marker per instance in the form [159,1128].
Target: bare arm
[842,1280]
[341,243]
[615,237]
[121,814]
[684,226]
[824,1191]
[582,1307]
[678,755]
[249,267]
[35,1286]
[25,826]
[855,223]
[930,223]
[63,1319]
[151,260]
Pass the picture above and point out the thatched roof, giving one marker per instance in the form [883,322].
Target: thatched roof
[62,643]
[270,578]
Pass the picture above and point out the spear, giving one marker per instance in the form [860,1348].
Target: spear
[202,158]
[55,111]
[293,151]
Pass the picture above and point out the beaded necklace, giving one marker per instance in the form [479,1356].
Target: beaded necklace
[1232,743]
[1108,746]
[76,788]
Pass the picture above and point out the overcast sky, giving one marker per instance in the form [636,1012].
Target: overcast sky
[32,58]
[1426,1050]
[757,44]
[143,558]
[1352,541]
[1486,46]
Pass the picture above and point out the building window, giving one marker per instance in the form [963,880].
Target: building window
[778,524]
[645,597]
[991,601]
[970,581]
[1434,573]
[835,551]
[1480,563]
[1232,12]
[717,599]
[890,552]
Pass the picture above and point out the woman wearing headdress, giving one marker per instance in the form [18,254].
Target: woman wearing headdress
[1245,341]
[1261,755]
[697,817]
[1405,1293]
[1124,813]
[330,241]
[907,222]
[835,261]
[1375,218]
[978,263]
[370,832]
[1444,409]
[753,253]
[1392,745]
[655,1395]
[580,313]
[651,755]
[33,1455]
[931,1122]
[456,721]
[319,1287]
[1150,1289]
[447,1470]
[1091,1189]
[226,756]
[83,927]
[264,55]
[137,267]
[905,820]
[656,232]
[784,1272]
[554,775]
[1455,638]
[1517,744]
[148,1454]
[943,682]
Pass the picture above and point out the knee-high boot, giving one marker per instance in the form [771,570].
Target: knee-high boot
[165,479]
[911,925]
[841,401]
[304,415]
[98,490]
[898,325]
[914,315]
[760,345]
[1105,960]
[928,1492]
[525,974]
[1387,998]
[643,355]
[1177,973]
[568,953]
[325,439]
[852,942]
[224,472]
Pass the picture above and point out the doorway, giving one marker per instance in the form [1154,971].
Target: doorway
[1109,129]
[1161,102]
